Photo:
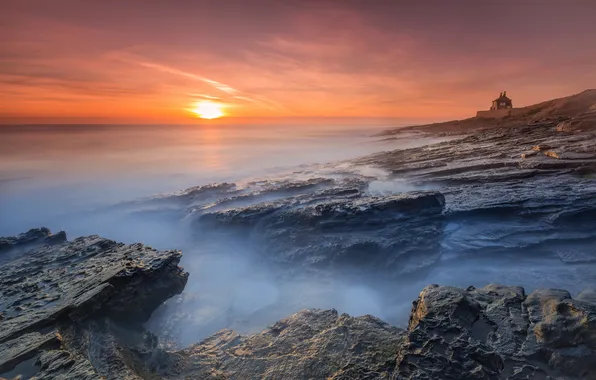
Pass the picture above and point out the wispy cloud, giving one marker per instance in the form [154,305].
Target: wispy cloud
[225,88]
[167,69]
[204,96]
[220,86]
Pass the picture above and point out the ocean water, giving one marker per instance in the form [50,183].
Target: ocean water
[48,172]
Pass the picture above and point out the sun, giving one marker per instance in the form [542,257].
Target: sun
[208,110]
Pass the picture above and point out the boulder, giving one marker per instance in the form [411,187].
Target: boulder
[311,344]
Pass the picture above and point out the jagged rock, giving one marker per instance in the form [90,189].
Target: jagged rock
[25,347]
[498,333]
[311,344]
[62,365]
[56,286]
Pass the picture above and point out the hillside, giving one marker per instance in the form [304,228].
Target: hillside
[578,110]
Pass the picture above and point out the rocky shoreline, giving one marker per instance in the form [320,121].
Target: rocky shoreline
[76,309]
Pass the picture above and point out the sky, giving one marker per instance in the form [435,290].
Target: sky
[153,60]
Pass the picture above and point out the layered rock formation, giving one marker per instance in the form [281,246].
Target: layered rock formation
[529,188]
[75,311]
[352,231]
[58,300]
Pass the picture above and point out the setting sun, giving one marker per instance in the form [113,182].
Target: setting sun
[208,110]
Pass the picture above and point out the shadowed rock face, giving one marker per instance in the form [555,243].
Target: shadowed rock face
[397,233]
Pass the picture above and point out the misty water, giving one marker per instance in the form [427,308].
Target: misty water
[97,180]
[48,172]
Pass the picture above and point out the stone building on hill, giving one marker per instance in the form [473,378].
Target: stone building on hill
[502,102]
[501,107]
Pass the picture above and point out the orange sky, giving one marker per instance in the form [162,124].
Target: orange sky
[149,60]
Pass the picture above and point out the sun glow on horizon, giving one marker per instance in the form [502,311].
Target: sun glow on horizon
[207,110]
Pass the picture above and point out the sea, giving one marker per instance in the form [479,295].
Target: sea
[49,171]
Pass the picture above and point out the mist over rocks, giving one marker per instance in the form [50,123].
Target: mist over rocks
[499,199]
[15,245]
[334,235]
[87,323]
[344,229]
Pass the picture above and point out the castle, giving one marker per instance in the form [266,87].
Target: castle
[500,108]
